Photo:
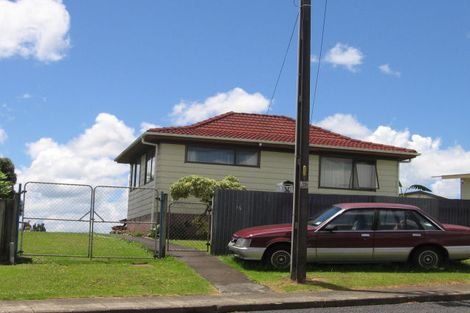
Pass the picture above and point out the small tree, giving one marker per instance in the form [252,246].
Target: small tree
[201,187]
[5,186]
[7,178]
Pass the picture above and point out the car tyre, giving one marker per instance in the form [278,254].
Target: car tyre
[278,257]
[428,258]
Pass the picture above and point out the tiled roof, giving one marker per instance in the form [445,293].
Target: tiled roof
[274,128]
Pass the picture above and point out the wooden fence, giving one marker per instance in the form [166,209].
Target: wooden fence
[234,210]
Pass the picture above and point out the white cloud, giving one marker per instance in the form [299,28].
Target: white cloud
[387,70]
[345,124]
[88,158]
[433,161]
[236,99]
[25,96]
[34,28]
[314,58]
[144,126]
[3,135]
[346,56]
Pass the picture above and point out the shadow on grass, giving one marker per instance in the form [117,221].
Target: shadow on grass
[451,267]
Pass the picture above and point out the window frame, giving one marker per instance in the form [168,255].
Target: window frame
[232,149]
[343,212]
[135,175]
[150,155]
[354,160]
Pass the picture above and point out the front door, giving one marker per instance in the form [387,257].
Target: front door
[348,237]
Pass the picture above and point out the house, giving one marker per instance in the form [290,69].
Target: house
[464,184]
[422,195]
[259,150]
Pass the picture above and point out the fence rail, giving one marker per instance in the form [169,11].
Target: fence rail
[234,210]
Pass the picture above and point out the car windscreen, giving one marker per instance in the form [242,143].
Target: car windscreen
[325,215]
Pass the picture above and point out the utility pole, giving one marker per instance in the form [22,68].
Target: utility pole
[300,209]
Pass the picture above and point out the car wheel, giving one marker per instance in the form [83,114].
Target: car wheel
[428,258]
[279,257]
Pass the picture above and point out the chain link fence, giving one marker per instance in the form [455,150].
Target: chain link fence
[189,225]
[79,221]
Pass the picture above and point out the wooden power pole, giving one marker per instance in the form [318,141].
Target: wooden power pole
[300,209]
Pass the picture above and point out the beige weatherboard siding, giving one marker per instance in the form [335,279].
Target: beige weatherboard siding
[141,199]
[275,167]
[465,189]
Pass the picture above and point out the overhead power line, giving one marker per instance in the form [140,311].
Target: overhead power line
[315,89]
[283,63]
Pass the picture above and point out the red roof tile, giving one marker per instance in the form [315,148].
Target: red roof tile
[275,128]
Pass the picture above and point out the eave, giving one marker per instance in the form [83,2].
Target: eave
[137,147]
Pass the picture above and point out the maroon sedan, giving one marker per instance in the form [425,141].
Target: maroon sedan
[360,232]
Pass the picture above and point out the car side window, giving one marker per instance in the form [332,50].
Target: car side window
[397,220]
[353,220]
[424,222]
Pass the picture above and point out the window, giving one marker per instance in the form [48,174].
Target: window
[149,166]
[343,173]
[135,175]
[227,156]
[324,216]
[403,220]
[353,220]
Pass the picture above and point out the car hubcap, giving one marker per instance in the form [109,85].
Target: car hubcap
[428,259]
[280,259]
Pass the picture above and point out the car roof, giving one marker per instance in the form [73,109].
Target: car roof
[377,205]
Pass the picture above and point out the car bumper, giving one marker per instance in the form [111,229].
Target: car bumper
[246,253]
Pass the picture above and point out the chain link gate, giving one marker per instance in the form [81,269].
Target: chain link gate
[84,217]
[189,226]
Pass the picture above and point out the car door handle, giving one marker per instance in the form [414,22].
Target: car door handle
[416,235]
[365,235]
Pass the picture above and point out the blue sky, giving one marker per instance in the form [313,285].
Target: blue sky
[400,69]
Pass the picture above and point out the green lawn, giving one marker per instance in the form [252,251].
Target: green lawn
[77,244]
[195,244]
[345,277]
[59,277]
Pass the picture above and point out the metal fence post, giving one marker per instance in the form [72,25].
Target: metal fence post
[91,223]
[163,224]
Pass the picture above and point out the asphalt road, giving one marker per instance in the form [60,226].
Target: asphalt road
[427,307]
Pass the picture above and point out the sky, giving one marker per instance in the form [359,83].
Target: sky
[79,80]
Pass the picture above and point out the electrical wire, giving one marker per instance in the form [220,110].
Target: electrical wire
[314,100]
[283,63]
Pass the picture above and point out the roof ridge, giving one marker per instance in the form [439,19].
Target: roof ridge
[206,121]
[218,117]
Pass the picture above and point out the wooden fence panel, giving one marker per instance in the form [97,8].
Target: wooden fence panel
[235,209]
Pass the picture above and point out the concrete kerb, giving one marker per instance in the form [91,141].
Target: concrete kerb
[246,302]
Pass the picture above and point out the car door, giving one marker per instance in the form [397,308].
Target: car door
[398,232]
[347,238]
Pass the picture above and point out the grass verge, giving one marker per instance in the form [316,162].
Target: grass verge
[60,277]
[350,277]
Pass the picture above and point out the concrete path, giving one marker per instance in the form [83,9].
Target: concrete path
[245,302]
[226,279]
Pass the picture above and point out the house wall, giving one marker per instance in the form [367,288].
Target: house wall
[465,189]
[141,200]
[275,167]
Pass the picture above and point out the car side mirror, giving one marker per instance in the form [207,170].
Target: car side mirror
[330,227]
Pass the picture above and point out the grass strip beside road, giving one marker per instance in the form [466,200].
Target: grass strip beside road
[350,277]
[62,277]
